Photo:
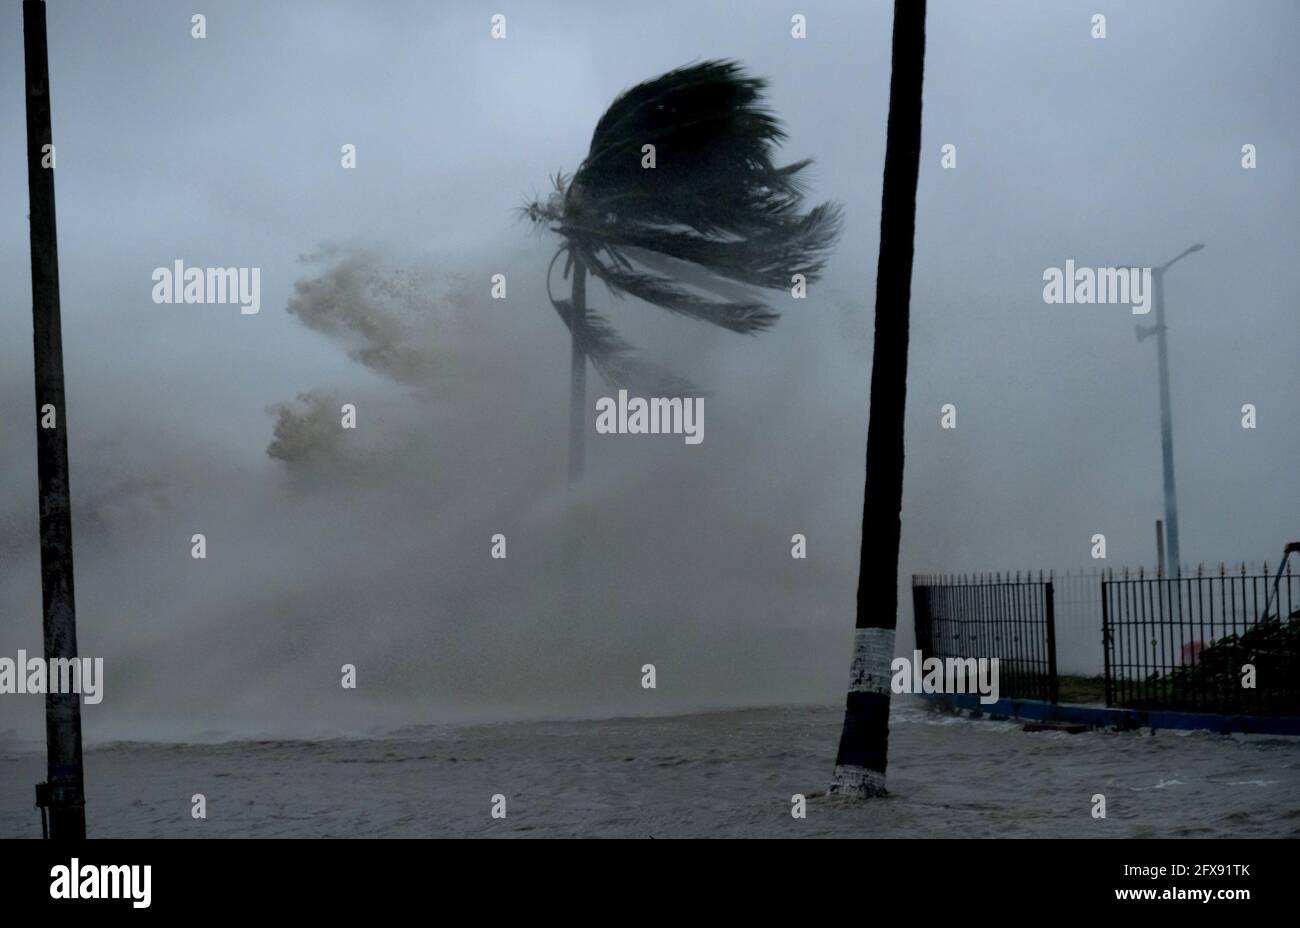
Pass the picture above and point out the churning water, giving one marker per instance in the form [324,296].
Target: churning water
[726,774]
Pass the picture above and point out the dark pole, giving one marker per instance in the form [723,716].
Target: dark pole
[860,760]
[64,792]
[578,373]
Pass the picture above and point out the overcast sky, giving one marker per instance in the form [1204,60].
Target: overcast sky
[225,151]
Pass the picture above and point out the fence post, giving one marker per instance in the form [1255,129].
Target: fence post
[921,626]
[1105,636]
[1054,684]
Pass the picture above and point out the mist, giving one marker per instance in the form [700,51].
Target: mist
[372,546]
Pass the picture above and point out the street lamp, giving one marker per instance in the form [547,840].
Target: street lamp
[1172,566]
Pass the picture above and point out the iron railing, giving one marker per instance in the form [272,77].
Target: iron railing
[987,616]
[1202,641]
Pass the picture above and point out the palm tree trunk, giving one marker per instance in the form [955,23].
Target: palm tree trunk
[860,761]
[578,374]
[577,442]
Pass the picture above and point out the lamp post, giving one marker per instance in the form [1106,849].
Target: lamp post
[63,793]
[1172,568]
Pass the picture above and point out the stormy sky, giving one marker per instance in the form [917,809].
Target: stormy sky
[372,547]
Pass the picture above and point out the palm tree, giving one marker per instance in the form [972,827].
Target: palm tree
[692,225]
[860,760]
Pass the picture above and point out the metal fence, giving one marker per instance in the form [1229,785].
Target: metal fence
[1158,642]
[986,616]
[1079,648]
[1202,641]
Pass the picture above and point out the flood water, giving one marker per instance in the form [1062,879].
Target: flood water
[720,774]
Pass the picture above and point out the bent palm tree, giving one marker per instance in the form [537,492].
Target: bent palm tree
[860,760]
[692,224]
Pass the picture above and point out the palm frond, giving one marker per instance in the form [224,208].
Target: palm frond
[745,316]
[768,259]
[615,361]
[715,198]
[713,142]
[714,217]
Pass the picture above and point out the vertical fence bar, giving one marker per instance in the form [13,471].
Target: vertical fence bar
[1054,685]
[1035,597]
[1006,608]
[1106,640]
[1223,612]
[1018,611]
[1131,665]
[1290,610]
[1025,614]
[1024,642]
[1034,614]
[921,618]
[1197,660]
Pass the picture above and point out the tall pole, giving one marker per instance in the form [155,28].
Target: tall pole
[64,792]
[1172,568]
[860,760]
